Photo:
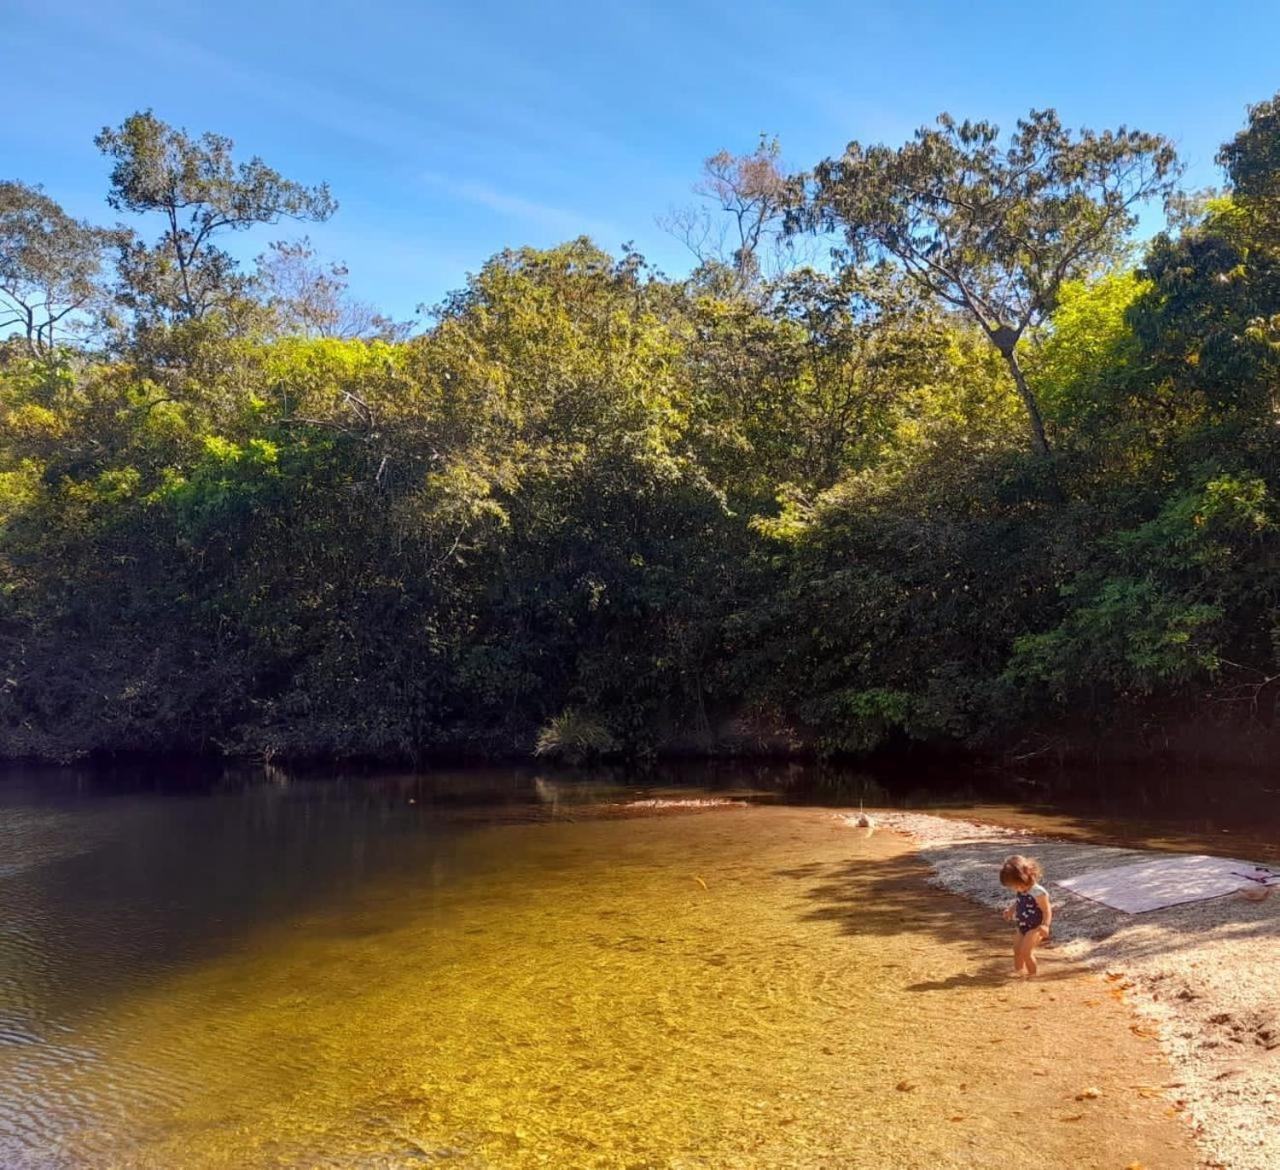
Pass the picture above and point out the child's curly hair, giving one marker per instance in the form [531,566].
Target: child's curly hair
[1020,871]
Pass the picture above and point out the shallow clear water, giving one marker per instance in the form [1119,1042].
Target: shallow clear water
[473,969]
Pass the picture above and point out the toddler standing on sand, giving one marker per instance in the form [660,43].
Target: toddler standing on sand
[1030,909]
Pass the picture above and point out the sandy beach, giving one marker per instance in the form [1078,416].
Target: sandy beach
[1202,978]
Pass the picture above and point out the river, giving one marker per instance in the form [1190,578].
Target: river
[464,968]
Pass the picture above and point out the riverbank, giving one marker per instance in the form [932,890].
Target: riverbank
[1202,977]
[1153,740]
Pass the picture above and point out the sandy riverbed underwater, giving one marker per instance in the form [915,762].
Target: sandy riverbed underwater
[746,987]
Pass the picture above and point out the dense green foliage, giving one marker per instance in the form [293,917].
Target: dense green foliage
[591,509]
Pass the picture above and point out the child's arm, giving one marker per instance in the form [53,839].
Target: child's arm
[1009,909]
[1046,909]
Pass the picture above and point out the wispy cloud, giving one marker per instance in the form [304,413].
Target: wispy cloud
[372,123]
[398,123]
[562,221]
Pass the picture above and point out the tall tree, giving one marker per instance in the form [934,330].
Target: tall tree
[49,268]
[1252,160]
[310,297]
[201,193]
[993,231]
[744,201]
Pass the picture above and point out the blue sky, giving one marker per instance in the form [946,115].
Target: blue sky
[450,131]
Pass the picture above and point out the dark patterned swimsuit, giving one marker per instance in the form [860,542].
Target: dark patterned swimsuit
[1026,911]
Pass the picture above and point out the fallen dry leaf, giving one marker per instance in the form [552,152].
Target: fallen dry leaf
[904,1086]
[1072,1117]
[1089,1094]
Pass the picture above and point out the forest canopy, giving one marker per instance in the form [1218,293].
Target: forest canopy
[926,450]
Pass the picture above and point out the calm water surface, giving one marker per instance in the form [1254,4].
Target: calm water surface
[468,969]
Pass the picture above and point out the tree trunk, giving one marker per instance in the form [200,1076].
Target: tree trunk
[1039,443]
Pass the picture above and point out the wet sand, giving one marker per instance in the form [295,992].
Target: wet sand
[1201,975]
[736,987]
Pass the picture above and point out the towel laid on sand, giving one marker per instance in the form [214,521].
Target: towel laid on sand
[1168,881]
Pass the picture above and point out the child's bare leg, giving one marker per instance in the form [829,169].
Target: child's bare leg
[1018,952]
[1033,940]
